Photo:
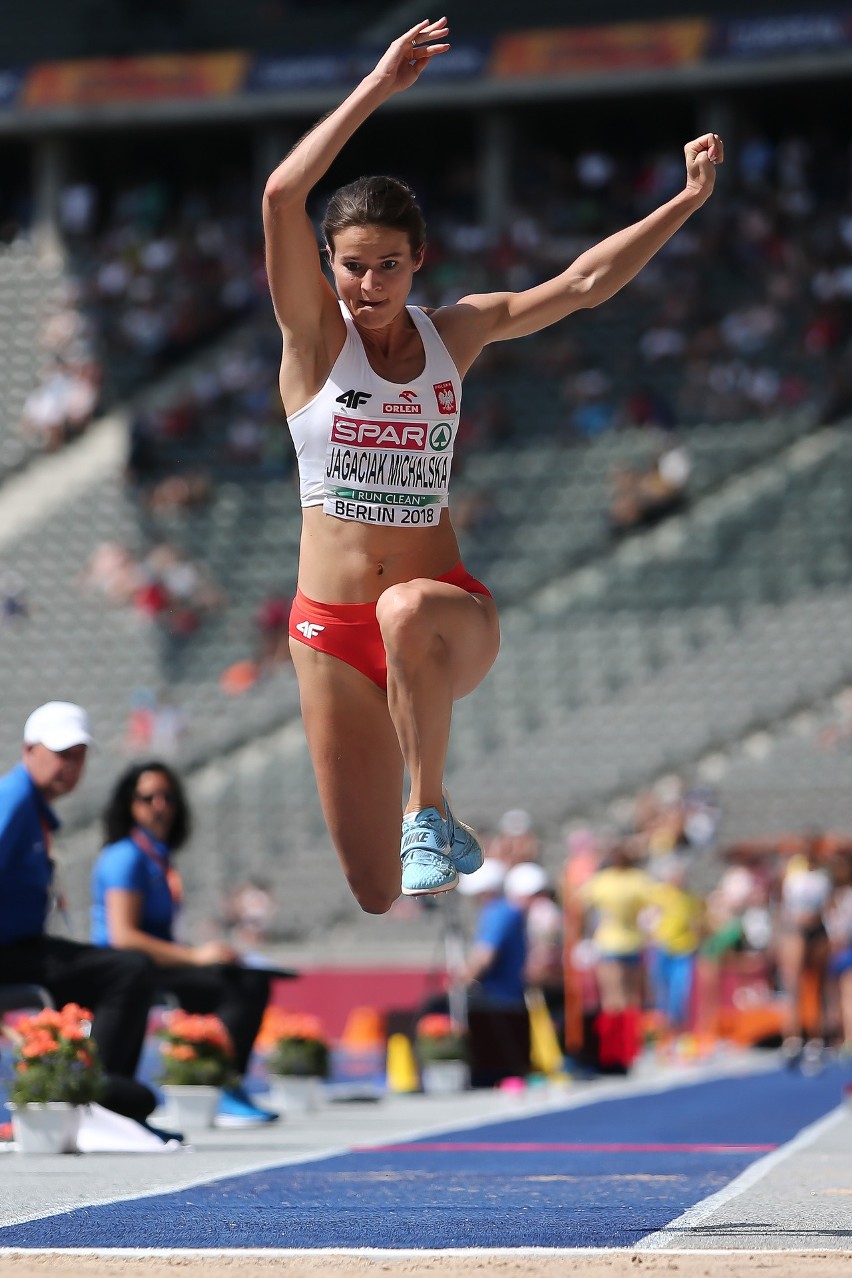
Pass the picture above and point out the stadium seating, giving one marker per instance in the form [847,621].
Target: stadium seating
[792,777]
[29,289]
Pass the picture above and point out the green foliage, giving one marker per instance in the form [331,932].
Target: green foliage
[307,1057]
[55,1059]
[439,1038]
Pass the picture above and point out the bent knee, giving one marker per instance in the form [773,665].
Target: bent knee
[400,614]
[399,605]
[373,898]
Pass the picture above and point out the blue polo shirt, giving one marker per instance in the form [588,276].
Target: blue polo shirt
[26,870]
[124,865]
[501,926]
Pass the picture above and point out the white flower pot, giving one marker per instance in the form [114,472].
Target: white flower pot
[49,1128]
[443,1077]
[191,1105]
[295,1093]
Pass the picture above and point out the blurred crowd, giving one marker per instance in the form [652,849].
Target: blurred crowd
[158,269]
[163,586]
[151,278]
[660,933]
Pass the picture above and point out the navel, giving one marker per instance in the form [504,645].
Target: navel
[380,570]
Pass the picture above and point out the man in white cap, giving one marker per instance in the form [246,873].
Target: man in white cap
[116,985]
[528,885]
[494,971]
[495,962]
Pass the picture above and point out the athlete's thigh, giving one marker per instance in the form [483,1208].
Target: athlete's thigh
[359,771]
[466,623]
[474,635]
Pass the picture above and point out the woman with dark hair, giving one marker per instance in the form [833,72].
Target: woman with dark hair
[136,899]
[388,629]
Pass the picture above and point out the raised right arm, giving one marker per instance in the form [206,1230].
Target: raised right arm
[304,301]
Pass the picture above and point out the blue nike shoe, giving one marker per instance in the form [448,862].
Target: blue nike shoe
[465,851]
[427,867]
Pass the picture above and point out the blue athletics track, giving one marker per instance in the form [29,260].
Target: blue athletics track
[601,1174]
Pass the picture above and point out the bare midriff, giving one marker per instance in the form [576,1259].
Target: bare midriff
[342,561]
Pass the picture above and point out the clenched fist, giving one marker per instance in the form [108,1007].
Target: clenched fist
[702,156]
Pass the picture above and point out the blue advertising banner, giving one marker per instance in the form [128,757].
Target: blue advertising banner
[320,70]
[465,61]
[310,71]
[10,87]
[786,35]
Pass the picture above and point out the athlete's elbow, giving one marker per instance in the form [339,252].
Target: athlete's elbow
[279,192]
[590,290]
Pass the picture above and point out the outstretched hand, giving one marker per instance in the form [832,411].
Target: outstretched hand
[702,156]
[408,56]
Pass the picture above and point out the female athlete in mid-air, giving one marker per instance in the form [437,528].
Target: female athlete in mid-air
[388,629]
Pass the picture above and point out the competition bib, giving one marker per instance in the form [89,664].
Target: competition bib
[388,472]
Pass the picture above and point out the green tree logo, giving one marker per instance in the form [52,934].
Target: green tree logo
[440,437]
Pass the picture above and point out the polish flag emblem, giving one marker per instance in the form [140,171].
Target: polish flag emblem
[446,397]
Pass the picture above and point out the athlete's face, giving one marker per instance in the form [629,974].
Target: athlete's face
[373,267]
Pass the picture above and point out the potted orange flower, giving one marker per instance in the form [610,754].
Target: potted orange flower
[57,1070]
[441,1049]
[297,1058]
[196,1062]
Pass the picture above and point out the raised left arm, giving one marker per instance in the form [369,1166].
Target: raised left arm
[602,270]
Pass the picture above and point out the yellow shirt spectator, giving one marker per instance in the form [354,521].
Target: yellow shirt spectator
[678,927]
[619,895]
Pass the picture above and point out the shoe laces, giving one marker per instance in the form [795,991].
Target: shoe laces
[426,818]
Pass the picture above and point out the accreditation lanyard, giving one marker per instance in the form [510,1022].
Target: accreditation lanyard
[146,844]
[57,891]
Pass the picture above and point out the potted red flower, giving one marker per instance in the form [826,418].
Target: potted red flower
[441,1049]
[297,1059]
[196,1062]
[57,1070]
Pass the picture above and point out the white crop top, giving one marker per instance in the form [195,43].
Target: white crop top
[375,451]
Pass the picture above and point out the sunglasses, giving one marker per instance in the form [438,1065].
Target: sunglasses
[168,796]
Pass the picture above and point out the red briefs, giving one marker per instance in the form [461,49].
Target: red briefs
[351,632]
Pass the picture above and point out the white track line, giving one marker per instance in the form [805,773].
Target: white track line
[666,1238]
[381,1253]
